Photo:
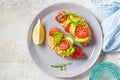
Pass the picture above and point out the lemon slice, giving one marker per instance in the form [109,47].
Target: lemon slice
[38,33]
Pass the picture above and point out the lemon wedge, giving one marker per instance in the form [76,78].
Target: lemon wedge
[38,33]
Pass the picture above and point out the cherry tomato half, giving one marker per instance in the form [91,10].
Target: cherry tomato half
[61,17]
[67,27]
[78,53]
[58,15]
[52,30]
[63,45]
[81,32]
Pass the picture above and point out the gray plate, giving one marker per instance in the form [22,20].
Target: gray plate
[43,56]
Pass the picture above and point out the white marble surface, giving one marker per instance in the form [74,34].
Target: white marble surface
[15,19]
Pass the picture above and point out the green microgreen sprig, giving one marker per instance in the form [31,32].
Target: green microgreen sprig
[61,66]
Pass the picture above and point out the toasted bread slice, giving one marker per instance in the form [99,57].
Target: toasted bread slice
[76,26]
[58,48]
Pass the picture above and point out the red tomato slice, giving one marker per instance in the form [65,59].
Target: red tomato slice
[78,53]
[81,32]
[52,30]
[61,17]
[67,27]
[58,15]
[63,45]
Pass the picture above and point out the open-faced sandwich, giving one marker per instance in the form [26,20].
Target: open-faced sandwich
[62,45]
[76,26]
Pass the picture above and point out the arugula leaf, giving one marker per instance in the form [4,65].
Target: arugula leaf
[77,20]
[71,13]
[75,23]
[61,66]
[57,38]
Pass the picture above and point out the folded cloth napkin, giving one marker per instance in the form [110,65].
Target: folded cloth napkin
[109,11]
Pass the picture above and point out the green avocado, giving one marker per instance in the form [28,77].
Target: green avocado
[74,18]
[66,22]
[70,39]
[67,52]
[70,51]
[72,29]
[82,40]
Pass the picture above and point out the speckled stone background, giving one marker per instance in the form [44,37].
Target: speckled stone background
[15,19]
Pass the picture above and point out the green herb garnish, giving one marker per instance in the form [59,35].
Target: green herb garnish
[71,13]
[61,66]
[57,38]
[77,20]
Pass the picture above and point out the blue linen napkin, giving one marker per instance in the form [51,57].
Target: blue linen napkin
[109,11]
